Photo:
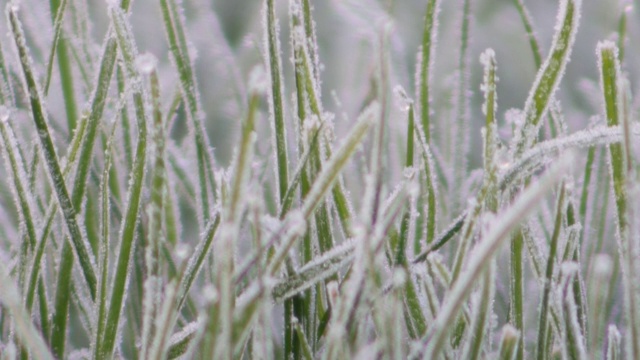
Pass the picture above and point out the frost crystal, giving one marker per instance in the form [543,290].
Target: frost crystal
[146,63]
[210,293]
[297,223]
[113,3]
[15,5]
[182,251]
[602,266]
[399,277]
[258,80]
[4,113]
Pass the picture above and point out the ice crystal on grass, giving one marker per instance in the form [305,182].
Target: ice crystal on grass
[369,244]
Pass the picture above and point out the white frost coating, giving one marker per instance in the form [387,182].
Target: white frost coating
[569,268]
[297,223]
[487,248]
[146,63]
[209,293]
[488,61]
[4,114]
[26,331]
[182,251]
[113,3]
[545,151]
[15,5]
[258,80]
[602,266]
[628,8]
[399,277]
[543,87]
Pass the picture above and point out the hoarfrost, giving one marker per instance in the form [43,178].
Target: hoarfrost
[4,114]
[258,80]
[210,293]
[602,266]
[146,63]
[297,223]
[399,277]
[15,5]
[182,251]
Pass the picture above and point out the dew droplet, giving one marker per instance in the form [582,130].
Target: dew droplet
[403,101]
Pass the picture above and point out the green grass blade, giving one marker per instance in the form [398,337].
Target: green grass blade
[102,299]
[98,102]
[549,75]
[611,79]
[508,343]
[548,279]
[485,251]
[528,26]
[573,340]
[6,93]
[312,273]
[598,293]
[482,313]
[57,13]
[276,104]
[59,47]
[427,58]
[51,159]
[124,116]
[196,261]
[614,351]
[428,163]
[488,194]
[224,247]
[173,24]
[130,221]
[63,300]
[299,173]
[461,123]
[324,181]
[19,179]
[153,244]
[21,319]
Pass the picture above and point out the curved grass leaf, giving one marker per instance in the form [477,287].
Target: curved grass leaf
[549,75]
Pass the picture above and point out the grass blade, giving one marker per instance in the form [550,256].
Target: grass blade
[508,343]
[59,48]
[127,233]
[548,279]
[174,27]
[51,159]
[483,253]
[26,331]
[549,75]
[427,58]
[276,105]
[610,76]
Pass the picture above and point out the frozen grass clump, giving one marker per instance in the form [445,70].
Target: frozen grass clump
[458,221]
